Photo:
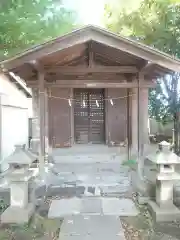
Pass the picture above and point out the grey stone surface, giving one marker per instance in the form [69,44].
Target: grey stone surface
[104,174]
[92,175]
[114,190]
[92,227]
[17,215]
[64,207]
[19,194]
[143,199]
[163,214]
[119,207]
[91,206]
[65,191]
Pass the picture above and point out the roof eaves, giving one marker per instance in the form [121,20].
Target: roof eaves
[21,84]
[96,29]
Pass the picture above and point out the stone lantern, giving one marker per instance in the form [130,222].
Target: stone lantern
[20,209]
[163,208]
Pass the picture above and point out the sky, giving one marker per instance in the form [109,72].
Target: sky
[89,11]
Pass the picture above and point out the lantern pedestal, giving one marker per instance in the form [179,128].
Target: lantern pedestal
[17,215]
[20,209]
[163,209]
[163,214]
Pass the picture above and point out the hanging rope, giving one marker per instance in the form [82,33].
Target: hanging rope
[105,99]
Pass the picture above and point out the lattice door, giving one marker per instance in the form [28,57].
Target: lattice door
[89,116]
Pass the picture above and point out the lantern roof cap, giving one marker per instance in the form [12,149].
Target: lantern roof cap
[164,155]
[21,156]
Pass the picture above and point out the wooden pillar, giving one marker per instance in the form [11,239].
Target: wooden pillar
[42,121]
[140,158]
[129,124]
[1,167]
[72,116]
[46,122]
[140,131]
[145,100]
[134,122]
[35,121]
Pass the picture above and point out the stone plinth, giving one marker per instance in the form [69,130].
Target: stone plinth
[20,209]
[17,215]
[163,209]
[163,214]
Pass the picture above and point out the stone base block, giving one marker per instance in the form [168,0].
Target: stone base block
[163,214]
[17,215]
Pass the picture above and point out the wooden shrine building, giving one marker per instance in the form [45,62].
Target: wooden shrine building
[90,86]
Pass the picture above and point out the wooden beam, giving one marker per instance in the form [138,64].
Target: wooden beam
[84,77]
[97,69]
[107,57]
[94,84]
[149,66]
[157,70]
[90,55]
[36,65]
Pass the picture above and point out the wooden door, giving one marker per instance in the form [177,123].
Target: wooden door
[89,116]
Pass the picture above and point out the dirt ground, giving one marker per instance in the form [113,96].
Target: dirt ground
[142,227]
[39,227]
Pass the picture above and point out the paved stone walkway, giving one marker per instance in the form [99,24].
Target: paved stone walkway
[99,171]
[111,178]
[91,228]
[91,218]
[92,206]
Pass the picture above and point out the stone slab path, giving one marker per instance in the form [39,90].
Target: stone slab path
[92,206]
[91,218]
[91,228]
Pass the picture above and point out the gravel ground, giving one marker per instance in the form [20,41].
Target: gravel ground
[142,227]
[39,227]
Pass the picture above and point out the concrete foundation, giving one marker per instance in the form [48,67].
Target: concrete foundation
[17,215]
[169,214]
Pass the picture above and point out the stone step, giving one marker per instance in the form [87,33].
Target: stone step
[77,190]
[92,206]
[86,158]
[91,227]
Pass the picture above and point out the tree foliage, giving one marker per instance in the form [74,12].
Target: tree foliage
[24,23]
[155,23]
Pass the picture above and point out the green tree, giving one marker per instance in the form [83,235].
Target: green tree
[155,23]
[24,23]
